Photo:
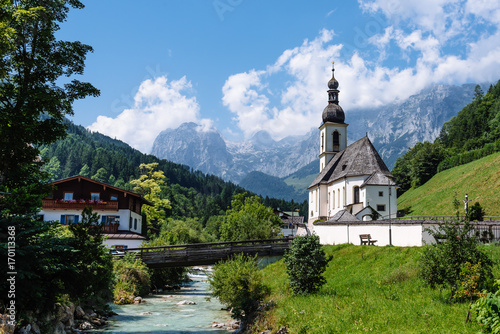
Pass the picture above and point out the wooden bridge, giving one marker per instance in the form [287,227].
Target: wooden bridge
[207,253]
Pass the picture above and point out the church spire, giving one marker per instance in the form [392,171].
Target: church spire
[333,112]
[333,84]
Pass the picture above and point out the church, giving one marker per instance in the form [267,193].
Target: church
[353,184]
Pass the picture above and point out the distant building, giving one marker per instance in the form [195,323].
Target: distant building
[120,210]
[291,222]
[354,183]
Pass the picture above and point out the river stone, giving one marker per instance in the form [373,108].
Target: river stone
[84,326]
[59,328]
[186,302]
[79,312]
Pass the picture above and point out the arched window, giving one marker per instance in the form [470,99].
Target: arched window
[333,199]
[356,194]
[322,142]
[336,141]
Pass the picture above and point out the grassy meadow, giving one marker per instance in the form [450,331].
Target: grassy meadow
[368,289]
[480,179]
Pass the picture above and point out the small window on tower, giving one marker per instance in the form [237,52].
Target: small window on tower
[380,207]
[336,141]
[381,194]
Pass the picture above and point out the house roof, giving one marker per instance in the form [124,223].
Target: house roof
[358,159]
[125,235]
[79,177]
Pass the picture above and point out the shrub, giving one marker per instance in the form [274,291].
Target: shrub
[487,311]
[442,263]
[132,278]
[305,263]
[476,212]
[237,283]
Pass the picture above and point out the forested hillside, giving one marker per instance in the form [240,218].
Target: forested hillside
[472,134]
[191,193]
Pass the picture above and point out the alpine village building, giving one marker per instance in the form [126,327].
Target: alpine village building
[354,184]
[120,210]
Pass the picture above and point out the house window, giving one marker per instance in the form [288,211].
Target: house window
[380,207]
[68,196]
[69,219]
[94,196]
[356,194]
[130,224]
[381,194]
[110,219]
[135,223]
[113,197]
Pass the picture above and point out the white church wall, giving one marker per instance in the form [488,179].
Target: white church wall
[403,235]
[373,199]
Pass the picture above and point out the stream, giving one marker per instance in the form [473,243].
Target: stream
[161,314]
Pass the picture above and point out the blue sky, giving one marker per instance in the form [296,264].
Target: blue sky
[242,66]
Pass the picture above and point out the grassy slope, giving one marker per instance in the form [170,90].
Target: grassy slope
[480,179]
[368,289]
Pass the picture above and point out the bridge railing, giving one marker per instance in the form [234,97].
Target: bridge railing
[146,252]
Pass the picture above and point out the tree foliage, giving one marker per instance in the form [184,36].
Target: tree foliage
[305,263]
[237,283]
[149,186]
[33,98]
[249,219]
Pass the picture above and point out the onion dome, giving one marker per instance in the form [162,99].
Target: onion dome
[333,112]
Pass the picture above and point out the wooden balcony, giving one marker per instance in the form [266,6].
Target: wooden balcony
[110,228]
[52,204]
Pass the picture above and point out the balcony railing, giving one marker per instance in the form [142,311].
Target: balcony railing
[78,205]
[110,228]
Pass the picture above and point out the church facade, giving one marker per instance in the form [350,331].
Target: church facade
[353,184]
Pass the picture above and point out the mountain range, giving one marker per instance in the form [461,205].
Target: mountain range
[266,166]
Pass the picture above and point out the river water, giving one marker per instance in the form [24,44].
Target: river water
[161,315]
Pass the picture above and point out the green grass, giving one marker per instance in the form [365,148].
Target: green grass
[368,289]
[480,179]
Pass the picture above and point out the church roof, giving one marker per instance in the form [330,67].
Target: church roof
[378,179]
[359,158]
[344,216]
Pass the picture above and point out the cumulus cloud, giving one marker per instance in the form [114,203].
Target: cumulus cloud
[442,41]
[158,105]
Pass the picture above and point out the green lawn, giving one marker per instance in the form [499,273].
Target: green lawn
[368,289]
[480,179]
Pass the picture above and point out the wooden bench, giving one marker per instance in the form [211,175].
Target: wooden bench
[366,239]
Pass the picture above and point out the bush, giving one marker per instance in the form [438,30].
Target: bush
[487,311]
[237,283]
[443,262]
[476,212]
[305,263]
[132,278]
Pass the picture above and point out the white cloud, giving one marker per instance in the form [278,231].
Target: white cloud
[441,41]
[158,105]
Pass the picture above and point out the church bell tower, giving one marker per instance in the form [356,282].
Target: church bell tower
[333,134]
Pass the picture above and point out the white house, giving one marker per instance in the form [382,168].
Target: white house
[120,210]
[353,179]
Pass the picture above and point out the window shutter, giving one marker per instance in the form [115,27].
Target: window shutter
[76,219]
[63,219]
[103,219]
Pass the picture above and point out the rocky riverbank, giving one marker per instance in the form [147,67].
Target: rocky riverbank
[65,319]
